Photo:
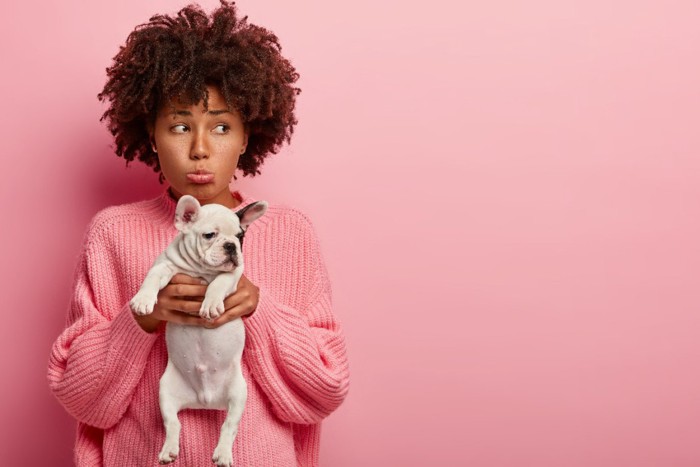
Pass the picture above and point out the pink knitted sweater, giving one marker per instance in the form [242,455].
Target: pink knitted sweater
[105,370]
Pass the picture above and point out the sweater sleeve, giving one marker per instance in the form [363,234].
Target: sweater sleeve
[96,362]
[298,356]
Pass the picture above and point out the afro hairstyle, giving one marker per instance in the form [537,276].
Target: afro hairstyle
[176,57]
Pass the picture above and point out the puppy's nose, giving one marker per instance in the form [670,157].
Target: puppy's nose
[230,248]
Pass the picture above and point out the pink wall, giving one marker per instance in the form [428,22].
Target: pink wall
[506,192]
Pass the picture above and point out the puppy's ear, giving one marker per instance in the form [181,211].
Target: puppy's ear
[251,212]
[186,212]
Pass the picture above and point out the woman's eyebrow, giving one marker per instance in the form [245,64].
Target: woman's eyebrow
[187,113]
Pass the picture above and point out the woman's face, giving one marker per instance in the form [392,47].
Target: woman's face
[198,151]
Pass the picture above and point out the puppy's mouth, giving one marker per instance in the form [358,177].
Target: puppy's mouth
[233,260]
[227,262]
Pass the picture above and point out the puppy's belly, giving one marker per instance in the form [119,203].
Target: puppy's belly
[206,359]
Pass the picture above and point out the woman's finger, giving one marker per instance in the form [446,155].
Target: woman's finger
[228,315]
[185,290]
[181,278]
[232,300]
[184,318]
[190,307]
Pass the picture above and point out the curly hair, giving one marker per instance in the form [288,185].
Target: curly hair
[177,57]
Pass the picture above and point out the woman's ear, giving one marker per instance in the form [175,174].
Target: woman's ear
[151,138]
[245,144]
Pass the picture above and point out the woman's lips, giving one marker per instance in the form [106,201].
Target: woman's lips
[195,177]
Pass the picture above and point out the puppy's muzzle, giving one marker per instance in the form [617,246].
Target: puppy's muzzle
[230,249]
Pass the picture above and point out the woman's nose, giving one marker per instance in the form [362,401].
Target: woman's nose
[200,147]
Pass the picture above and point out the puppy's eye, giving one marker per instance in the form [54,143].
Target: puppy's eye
[209,235]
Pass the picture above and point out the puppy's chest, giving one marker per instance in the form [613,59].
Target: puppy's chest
[196,349]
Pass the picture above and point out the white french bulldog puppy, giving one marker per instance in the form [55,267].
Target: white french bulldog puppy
[204,365]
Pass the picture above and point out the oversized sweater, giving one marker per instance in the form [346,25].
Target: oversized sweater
[105,370]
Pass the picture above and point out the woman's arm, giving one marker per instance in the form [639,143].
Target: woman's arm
[96,363]
[298,356]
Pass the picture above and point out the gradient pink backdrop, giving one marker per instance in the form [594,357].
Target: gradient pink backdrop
[507,196]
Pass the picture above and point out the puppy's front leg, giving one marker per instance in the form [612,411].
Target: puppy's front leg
[223,285]
[158,277]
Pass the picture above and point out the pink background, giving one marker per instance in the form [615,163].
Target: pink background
[507,198]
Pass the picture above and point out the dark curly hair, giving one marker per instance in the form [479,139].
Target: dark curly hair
[177,57]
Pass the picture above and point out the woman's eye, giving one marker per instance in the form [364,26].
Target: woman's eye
[224,128]
[209,235]
[175,128]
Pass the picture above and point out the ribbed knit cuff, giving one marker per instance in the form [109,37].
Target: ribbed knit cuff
[128,340]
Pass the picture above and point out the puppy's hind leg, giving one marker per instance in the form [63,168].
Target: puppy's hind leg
[237,396]
[170,405]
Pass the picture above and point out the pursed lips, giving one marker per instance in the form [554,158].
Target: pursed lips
[200,176]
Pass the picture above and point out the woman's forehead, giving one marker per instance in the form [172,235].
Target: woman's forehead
[215,101]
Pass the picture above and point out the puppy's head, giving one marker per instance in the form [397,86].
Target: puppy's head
[213,234]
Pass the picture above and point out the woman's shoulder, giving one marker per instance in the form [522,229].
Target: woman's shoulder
[284,215]
[289,232]
[114,218]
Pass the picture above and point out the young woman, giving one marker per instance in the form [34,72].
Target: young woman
[198,97]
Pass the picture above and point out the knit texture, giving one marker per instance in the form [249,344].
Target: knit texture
[105,370]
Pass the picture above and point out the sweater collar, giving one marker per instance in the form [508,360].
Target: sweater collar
[166,204]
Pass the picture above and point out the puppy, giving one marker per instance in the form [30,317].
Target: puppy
[204,365]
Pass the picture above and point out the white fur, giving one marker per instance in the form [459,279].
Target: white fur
[204,365]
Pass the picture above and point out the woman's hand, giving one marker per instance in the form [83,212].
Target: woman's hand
[178,302]
[241,303]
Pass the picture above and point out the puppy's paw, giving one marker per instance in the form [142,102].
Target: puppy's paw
[169,453]
[143,303]
[223,457]
[211,308]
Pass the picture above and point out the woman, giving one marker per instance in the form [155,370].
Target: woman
[197,97]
